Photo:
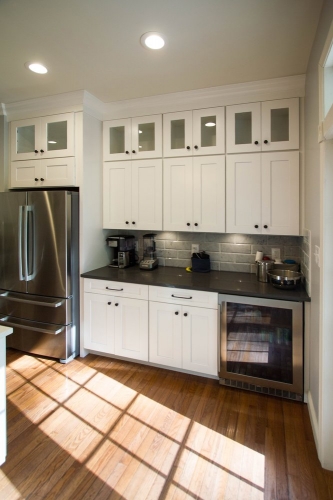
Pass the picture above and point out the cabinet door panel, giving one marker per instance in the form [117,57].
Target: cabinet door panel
[200,340]
[177,134]
[116,195]
[147,137]
[98,323]
[208,131]
[147,194]
[57,136]
[24,173]
[280,193]
[25,139]
[177,194]
[165,345]
[209,194]
[280,124]
[243,128]
[117,139]
[131,328]
[57,172]
[243,194]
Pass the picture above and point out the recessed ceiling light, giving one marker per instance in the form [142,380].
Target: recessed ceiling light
[210,124]
[153,40]
[36,68]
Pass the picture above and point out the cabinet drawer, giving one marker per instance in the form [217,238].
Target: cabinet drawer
[117,288]
[183,296]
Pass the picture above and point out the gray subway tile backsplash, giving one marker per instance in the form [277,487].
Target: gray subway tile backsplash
[228,252]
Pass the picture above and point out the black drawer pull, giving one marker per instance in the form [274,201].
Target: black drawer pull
[176,297]
[116,289]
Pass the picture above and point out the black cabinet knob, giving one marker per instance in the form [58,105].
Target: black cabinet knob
[36,150]
[42,150]
[185,314]
[176,313]
[133,151]
[196,224]
[116,304]
[36,179]
[196,147]
[127,222]
[127,152]
[256,226]
[188,147]
[266,141]
[256,143]
[188,224]
[42,179]
[265,226]
[133,222]
[109,303]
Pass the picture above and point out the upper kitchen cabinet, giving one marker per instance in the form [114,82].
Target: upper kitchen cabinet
[132,138]
[262,193]
[194,194]
[132,195]
[266,126]
[198,132]
[45,137]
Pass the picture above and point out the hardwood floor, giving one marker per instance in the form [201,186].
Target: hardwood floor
[107,429]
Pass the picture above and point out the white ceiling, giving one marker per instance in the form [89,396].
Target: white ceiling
[94,45]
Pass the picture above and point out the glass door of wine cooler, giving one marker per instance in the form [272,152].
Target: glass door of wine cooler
[262,345]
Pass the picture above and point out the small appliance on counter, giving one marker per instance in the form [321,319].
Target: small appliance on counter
[122,248]
[149,261]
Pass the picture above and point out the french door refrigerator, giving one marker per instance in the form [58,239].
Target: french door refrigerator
[39,271]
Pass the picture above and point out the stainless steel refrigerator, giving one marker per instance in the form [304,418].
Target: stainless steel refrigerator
[39,271]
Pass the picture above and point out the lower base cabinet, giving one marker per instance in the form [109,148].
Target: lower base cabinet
[183,337]
[116,325]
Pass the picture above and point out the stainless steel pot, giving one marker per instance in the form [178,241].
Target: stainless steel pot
[263,266]
[284,278]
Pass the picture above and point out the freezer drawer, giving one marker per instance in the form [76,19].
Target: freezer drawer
[55,341]
[32,307]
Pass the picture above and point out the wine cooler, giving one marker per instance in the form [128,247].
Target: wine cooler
[262,345]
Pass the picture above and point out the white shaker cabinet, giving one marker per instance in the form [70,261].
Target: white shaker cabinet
[183,336]
[263,193]
[132,138]
[50,172]
[132,195]
[265,126]
[45,137]
[115,323]
[192,133]
[194,194]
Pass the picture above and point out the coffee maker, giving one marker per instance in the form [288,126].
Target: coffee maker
[149,260]
[122,250]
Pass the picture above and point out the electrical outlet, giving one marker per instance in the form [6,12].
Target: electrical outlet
[195,247]
[276,254]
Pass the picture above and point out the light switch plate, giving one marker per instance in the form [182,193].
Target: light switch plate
[195,247]
[276,254]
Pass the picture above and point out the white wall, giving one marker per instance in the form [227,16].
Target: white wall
[313,201]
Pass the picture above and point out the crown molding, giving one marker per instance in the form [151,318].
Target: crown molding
[277,88]
[81,100]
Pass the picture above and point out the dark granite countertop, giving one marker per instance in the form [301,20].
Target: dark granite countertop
[215,281]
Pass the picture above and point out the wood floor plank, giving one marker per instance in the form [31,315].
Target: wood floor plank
[102,428]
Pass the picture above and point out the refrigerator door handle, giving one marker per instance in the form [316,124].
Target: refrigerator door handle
[29,221]
[54,303]
[52,329]
[20,238]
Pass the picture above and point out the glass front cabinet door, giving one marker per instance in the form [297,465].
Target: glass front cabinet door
[132,138]
[45,137]
[266,126]
[191,133]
